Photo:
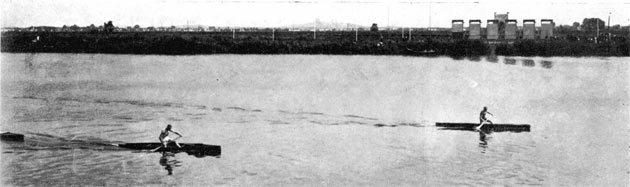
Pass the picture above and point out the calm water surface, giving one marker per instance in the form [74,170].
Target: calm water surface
[314,120]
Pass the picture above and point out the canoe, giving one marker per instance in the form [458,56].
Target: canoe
[190,148]
[500,127]
[9,136]
[196,149]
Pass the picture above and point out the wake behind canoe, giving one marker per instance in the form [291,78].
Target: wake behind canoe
[500,127]
[196,149]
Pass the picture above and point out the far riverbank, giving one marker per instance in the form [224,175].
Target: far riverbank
[326,42]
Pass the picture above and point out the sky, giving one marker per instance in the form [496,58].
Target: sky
[279,13]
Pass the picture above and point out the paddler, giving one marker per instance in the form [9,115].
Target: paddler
[483,118]
[165,139]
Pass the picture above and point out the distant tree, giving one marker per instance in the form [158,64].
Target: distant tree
[374,27]
[576,25]
[109,26]
[74,28]
[92,28]
[616,27]
[590,24]
[136,28]
[561,28]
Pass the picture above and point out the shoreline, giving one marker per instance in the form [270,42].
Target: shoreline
[431,56]
[328,43]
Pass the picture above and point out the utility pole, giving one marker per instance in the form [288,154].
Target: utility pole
[430,12]
[410,34]
[402,32]
[609,26]
[314,29]
[609,22]
[233,34]
[597,36]
[388,25]
[356,33]
[273,34]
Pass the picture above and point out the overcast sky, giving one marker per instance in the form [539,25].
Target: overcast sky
[275,13]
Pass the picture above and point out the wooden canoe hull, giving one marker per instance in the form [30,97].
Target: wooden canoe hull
[190,148]
[501,127]
[8,136]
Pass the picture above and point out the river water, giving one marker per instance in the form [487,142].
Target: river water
[315,120]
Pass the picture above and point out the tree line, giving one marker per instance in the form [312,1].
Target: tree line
[340,42]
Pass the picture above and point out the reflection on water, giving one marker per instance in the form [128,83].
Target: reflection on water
[483,140]
[546,64]
[338,107]
[492,58]
[28,61]
[512,61]
[509,61]
[475,58]
[528,63]
[168,161]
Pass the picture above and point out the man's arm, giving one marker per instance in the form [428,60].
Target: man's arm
[178,134]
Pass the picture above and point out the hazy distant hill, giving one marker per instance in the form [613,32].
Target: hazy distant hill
[302,26]
[324,26]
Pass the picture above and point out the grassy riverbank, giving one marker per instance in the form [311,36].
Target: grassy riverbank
[327,42]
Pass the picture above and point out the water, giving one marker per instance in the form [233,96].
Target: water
[315,120]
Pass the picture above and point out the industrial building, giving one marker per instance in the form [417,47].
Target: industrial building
[492,29]
[510,29]
[546,28]
[457,29]
[474,29]
[501,28]
[502,18]
[529,29]
[457,26]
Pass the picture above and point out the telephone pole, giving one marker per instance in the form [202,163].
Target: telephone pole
[315,30]
[609,26]
[356,33]
[597,34]
[402,32]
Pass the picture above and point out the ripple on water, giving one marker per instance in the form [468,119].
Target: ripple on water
[59,167]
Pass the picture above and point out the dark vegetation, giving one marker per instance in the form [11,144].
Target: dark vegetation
[304,42]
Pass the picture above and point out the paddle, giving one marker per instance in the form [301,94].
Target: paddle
[154,150]
[488,117]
